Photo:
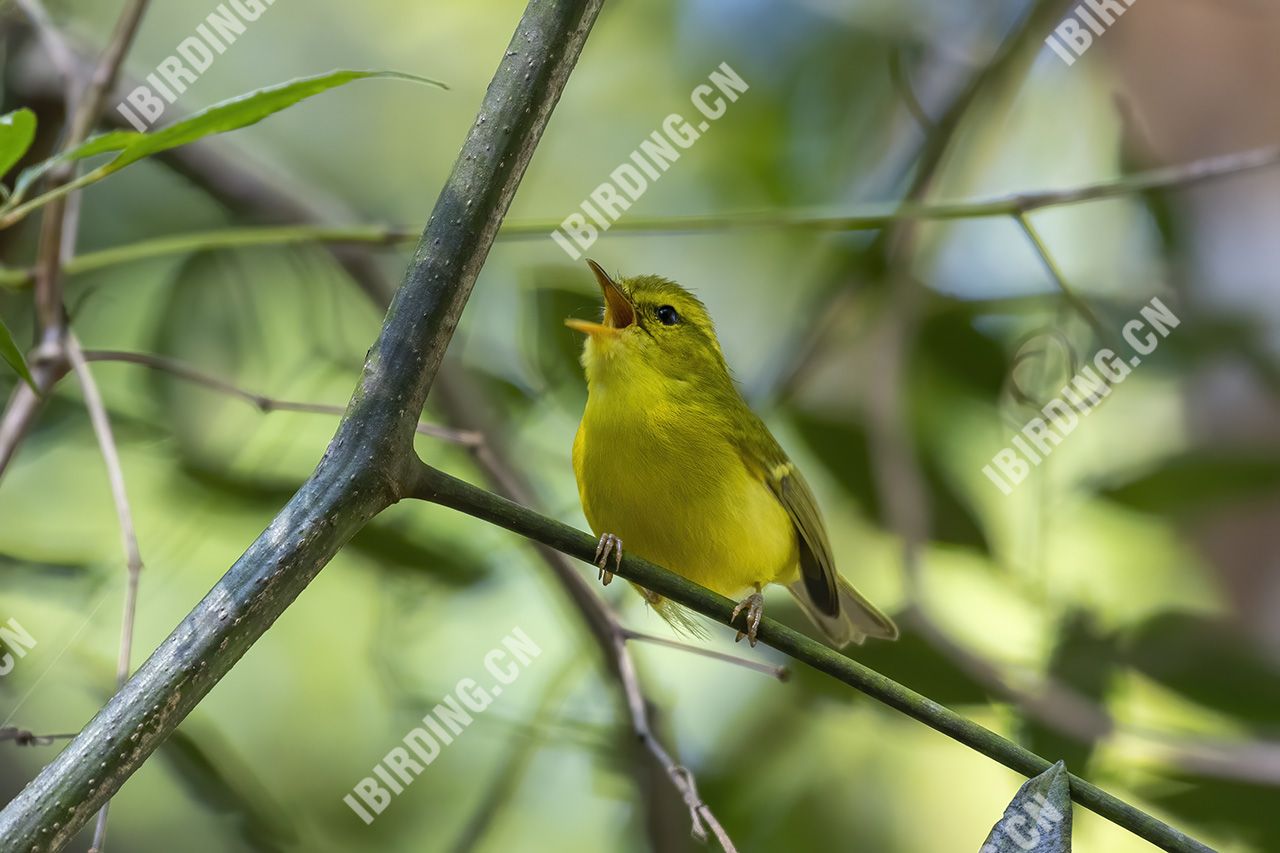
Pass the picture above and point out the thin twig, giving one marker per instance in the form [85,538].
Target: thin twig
[57,228]
[898,478]
[115,474]
[1252,762]
[904,494]
[261,402]
[440,488]
[23,737]
[20,412]
[107,71]
[58,231]
[49,362]
[69,69]
[128,534]
[243,185]
[63,59]
[1050,702]
[680,777]
[869,219]
[1078,303]
[901,80]
[781,673]
[509,775]
[63,219]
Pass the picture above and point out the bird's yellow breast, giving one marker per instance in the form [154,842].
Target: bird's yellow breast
[677,491]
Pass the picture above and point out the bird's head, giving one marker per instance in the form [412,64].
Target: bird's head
[652,328]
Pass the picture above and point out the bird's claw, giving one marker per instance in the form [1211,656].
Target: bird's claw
[754,605]
[610,545]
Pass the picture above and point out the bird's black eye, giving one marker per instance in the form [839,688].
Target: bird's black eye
[668,316]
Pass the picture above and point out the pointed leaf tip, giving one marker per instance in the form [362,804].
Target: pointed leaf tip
[17,132]
[241,111]
[13,356]
[1039,818]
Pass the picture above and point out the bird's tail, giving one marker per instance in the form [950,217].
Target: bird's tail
[683,621]
[857,620]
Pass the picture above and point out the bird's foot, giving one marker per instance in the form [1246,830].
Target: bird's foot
[610,545]
[754,606]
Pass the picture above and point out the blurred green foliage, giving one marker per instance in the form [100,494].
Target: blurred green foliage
[1094,574]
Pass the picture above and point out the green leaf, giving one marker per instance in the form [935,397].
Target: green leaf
[13,356]
[1039,818]
[233,114]
[215,778]
[229,115]
[1198,481]
[1084,658]
[410,551]
[505,400]
[17,132]
[952,348]
[912,661]
[553,351]
[394,546]
[843,446]
[29,176]
[1211,662]
[29,569]
[1242,813]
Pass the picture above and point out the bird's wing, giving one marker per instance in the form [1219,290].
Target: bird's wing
[842,613]
[817,567]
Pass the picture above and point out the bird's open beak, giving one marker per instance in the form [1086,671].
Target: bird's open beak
[618,311]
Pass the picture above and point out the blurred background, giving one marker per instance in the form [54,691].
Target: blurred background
[1118,610]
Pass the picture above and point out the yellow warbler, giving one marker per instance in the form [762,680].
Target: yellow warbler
[672,462]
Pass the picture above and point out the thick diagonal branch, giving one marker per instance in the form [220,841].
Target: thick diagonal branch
[227,176]
[366,465]
[261,402]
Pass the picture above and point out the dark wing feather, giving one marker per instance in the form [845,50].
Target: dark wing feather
[817,566]
[842,614]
